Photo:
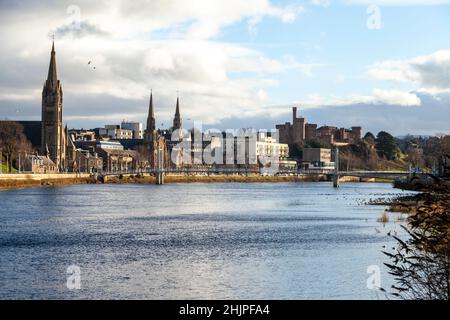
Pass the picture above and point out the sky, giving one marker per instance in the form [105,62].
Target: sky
[379,64]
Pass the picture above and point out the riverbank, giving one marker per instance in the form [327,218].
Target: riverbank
[421,261]
[413,204]
[434,194]
[17,181]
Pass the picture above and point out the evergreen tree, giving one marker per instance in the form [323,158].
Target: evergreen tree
[386,146]
[369,137]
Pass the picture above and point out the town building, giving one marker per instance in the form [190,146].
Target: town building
[38,164]
[269,148]
[135,127]
[317,158]
[107,155]
[87,161]
[113,131]
[250,149]
[115,160]
[82,135]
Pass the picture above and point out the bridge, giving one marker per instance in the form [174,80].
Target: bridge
[334,175]
[160,171]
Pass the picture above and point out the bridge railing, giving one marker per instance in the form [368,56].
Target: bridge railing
[216,171]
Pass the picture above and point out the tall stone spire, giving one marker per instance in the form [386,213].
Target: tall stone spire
[177,118]
[151,115]
[52,78]
[53,134]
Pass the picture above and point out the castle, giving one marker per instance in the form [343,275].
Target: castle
[300,132]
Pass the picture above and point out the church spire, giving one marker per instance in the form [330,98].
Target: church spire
[177,118]
[52,78]
[52,129]
[151,115]
[177,111]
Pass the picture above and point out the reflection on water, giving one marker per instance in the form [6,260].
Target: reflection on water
[194,241]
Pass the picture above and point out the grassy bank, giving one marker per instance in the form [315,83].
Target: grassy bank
[5,168]
[30,183]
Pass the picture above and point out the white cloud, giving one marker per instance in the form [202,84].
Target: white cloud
[430,72]
[398,2]
[137,45]
[377,97]
[395,97]
[386,3]
[340,78]
[321,3]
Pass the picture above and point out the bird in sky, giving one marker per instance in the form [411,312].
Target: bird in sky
[91,65]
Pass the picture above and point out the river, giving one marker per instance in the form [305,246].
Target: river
[195,241]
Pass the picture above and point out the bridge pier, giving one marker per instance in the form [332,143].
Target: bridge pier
[160,167]
[159,177]
[335,179]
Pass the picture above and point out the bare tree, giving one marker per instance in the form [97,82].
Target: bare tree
[421,265]
[13,141]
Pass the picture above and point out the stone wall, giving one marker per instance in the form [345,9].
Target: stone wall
[42,176]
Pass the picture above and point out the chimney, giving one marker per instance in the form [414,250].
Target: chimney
[294,114]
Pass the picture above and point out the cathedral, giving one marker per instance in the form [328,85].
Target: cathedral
[156,140]
[55,141]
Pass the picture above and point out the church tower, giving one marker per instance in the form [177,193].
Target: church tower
[53,138]
[151,135]
[177,118]
[151,123]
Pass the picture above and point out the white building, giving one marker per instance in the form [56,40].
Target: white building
[115,132]
[136,127]
[268,147]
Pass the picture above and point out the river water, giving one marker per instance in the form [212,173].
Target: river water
[195,241]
